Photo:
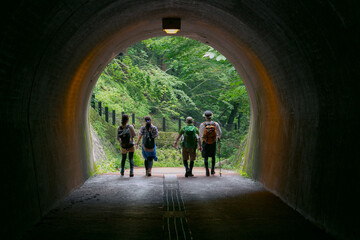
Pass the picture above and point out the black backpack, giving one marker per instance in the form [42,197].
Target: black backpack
[124,135]
[149,140]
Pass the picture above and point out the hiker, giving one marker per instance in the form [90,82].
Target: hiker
[125,136]
[210,132]
[189,144]
[149,132]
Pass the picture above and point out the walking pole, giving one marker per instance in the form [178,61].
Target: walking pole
[219,156]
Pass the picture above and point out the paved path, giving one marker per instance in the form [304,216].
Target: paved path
[170,206]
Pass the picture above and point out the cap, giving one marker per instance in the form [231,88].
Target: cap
[189,120]
[208,114]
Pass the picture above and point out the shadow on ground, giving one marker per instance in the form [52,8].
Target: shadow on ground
[227,207]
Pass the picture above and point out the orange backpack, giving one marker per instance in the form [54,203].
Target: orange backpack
[209,135]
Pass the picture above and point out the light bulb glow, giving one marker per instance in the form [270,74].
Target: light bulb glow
[171,31]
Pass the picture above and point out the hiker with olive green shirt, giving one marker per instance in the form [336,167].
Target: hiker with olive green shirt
[189,145]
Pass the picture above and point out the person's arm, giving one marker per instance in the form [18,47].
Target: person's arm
[181,132]
[155,131]
[201,130]
[176,141]
[198,139]
[132,131]
[117,135]
[218,130]
[140,135]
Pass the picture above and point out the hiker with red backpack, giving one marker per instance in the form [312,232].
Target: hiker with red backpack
[189,145]
[210,132]
[125,136]
[148,132]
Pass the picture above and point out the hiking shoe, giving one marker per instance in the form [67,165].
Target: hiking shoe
[122,173]
[131,174]
[207,172]
[212,172]
[190,174]
[149,174]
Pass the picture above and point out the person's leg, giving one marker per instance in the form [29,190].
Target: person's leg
[186,168]
[213,165]
[204,154]
[123,159]
[146,166]
[150,163]
[185,155]
[192,159]
[206,166]
[131,161]
[191,168]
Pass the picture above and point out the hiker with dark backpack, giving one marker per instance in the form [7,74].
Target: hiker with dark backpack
[148,132]
[210,132]
[125,136]
[189,145]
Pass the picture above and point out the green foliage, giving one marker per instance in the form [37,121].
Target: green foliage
[174,77]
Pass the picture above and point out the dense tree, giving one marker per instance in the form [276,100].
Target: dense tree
[174,76]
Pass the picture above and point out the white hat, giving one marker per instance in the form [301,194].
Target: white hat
[189,120]
[208,114]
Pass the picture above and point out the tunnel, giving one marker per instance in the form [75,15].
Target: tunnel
[298,60]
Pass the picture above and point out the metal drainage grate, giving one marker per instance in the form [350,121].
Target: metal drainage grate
[175,223]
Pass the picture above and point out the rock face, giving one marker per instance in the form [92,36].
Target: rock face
[98,148]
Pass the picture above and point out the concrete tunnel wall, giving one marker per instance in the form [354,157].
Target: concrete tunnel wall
[298,61]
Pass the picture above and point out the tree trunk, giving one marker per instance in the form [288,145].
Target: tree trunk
[232,116]
[163,65]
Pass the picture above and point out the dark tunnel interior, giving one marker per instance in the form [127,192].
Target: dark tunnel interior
[298,59]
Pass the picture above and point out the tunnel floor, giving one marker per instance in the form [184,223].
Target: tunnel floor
[170,206]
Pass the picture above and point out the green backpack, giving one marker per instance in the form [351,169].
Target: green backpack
[190,140]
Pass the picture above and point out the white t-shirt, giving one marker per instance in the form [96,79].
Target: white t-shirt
[217,128]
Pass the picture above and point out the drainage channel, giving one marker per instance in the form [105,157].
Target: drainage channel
[175,223]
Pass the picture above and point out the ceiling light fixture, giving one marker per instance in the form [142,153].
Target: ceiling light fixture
[171,25]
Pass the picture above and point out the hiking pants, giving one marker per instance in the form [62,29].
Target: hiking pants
[131,161]
[212,163]
[149,163]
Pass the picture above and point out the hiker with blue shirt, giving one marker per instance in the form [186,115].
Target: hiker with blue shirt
[148,132]
[189,145]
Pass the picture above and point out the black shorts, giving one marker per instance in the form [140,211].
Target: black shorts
[208,150]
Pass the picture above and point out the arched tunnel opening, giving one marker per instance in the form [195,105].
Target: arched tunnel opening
[298,61]
[169,79]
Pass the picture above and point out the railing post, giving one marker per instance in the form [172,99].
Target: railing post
[106,114]
[164,129]
[133,118]
[113,117]
[99,105]
[93,101]
[179,124]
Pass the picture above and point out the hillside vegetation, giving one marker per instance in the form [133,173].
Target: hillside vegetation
[172,78]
